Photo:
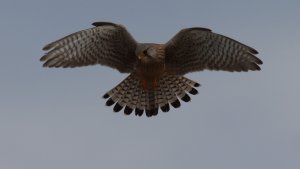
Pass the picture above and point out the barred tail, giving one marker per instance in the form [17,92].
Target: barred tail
[130,94]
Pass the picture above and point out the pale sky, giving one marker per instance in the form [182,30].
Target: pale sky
[56,118]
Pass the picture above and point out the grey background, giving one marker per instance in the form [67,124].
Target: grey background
[56,118]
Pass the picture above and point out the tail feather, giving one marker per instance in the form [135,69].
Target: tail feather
[170,95]
[130,94]
[132,100]
[162,99]
[127,99]
[151,100]
[120,94]
[140,103]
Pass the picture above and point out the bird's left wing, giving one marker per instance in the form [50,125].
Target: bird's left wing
[106,44]
[195,49]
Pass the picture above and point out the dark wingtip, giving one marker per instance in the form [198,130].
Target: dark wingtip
[105,96]
[165,108]
[117,107]
[176,103]
[148,113]
[257,67]
[103,23]
[258,61]
[138,112]
[109,102]
[199,28]
[193,91]
[252,66]
[151,112]
[155,112]
[128,110]
[253,51]
[186,98]
[47,47]
[43,58]
[196,85]
[45,65]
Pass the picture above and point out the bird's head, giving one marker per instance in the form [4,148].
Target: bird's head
[147,53]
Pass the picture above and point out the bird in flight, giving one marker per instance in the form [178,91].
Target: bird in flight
[156,71]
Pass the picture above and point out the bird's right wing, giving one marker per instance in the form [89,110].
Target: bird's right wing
[195,49]
[106,44]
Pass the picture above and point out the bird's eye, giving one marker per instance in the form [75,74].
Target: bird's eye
[145,53]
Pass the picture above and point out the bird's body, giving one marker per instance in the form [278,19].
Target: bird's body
[155,70]
[150,67]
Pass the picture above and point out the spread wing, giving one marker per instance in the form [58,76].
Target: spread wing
[195,49]
[106,44]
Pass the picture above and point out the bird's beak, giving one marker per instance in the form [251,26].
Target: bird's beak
[142,55]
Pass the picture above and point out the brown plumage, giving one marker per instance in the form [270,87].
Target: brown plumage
[156,70]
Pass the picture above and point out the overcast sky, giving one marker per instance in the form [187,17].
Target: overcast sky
[56,118]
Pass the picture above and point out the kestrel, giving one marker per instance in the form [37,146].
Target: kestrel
[155,70]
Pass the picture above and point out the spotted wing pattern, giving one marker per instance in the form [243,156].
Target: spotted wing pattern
[195,49]
[106,44]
